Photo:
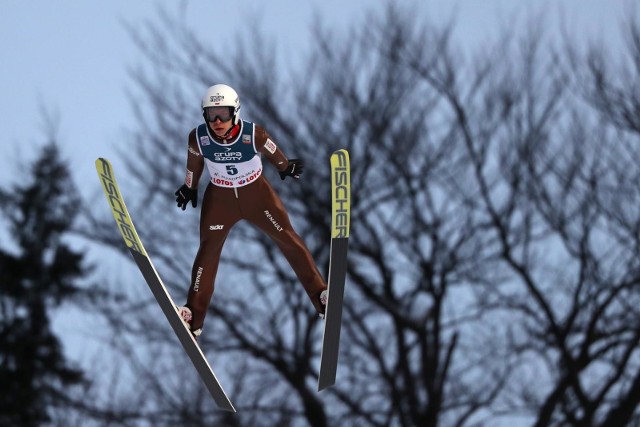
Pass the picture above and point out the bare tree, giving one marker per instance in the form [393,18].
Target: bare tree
[609,82]
[492,270]
[544,169]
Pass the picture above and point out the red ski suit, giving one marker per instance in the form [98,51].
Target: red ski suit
[237,191]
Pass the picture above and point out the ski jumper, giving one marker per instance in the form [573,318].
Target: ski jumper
[237,191]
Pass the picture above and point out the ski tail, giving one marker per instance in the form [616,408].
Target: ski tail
[340,226]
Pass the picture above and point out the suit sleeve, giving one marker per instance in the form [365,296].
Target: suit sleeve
[195,162]
[269,149]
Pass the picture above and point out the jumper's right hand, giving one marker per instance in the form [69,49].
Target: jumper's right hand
[185,194]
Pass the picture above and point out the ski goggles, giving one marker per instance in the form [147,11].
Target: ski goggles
[224,114]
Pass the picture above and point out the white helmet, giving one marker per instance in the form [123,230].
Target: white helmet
[222,96]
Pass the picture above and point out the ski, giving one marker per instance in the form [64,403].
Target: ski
[340,222]
[133,243]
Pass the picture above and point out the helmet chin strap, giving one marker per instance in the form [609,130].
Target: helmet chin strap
[232,132]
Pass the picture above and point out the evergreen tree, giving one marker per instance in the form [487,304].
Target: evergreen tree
[37,274]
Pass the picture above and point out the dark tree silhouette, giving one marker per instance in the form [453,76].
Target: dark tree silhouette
[38,272]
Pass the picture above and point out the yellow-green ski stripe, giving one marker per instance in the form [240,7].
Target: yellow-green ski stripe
[118,208]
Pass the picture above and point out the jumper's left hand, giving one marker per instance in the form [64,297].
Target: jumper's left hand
[294,169]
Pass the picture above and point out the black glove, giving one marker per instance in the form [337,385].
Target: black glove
[294,169]
[184,194]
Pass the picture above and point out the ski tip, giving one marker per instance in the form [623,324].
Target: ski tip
[101,162]
[340,194]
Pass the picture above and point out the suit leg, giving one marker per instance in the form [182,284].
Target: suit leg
[217,217]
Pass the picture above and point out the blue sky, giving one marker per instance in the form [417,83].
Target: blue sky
[70,56]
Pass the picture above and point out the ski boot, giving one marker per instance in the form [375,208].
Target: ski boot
[187,316]
[324,297]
